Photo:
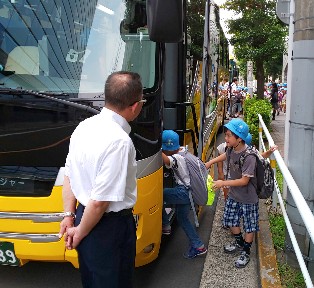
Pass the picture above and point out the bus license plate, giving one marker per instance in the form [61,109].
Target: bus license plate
[7,255]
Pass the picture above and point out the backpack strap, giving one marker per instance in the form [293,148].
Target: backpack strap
[228,154]
[176,171]
[248,151]
[243,155]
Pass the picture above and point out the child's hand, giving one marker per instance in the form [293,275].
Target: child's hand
[218,184]
[208,164]
[273,148]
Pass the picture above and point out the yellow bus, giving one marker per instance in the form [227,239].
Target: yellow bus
[54,59]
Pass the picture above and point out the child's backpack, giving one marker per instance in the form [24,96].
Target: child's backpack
[264,173]
[198,177]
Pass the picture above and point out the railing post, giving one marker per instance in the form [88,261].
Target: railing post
[273,166]
[260,137]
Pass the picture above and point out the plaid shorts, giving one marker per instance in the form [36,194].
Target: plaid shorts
[234,211]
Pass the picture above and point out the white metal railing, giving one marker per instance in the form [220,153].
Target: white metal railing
[303,208]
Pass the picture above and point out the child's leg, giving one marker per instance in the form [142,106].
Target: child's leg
[250,223]
[248,240]
[183,211]
[196,245]
[232,215]
[176,195]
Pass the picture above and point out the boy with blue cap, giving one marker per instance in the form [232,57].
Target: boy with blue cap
[179,195]
[242,201]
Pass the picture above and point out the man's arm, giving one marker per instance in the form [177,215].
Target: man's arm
[69,205]
[69,201]
[91,216]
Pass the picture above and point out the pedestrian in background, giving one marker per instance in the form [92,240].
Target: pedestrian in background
[100,174]
[274,98]
[233,96]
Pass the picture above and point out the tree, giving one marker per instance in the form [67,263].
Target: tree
[195,26]
[273,67]
[257,35]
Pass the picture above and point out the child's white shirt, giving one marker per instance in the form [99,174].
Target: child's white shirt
[177,162]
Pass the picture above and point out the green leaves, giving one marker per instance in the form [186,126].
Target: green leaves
[255,106]
[257,34]
[195,23]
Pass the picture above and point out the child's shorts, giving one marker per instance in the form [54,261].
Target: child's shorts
[234,211]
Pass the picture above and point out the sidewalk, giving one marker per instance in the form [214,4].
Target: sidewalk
[219,270]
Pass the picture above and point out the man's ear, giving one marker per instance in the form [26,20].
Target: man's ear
[134,107]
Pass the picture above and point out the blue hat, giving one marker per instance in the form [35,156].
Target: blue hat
[238,127]
[248,139]
[170,140]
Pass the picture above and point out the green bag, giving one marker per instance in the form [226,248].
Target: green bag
[211,192]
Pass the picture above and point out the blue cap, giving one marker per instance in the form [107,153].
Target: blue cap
[238,127]
[170,140]
[248,139]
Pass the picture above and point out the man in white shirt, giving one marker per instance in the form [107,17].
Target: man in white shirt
[100,174]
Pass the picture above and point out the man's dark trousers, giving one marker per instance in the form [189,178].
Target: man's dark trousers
[107,253]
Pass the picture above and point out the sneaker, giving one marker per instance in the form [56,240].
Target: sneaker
[232,248]
[166,230]
[193,252]
[243,260]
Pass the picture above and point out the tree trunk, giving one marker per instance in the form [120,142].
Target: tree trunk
[260,78]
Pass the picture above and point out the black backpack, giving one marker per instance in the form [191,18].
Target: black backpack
[264,173]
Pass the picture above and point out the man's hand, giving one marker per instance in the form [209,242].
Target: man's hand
[73,237]
[66,223]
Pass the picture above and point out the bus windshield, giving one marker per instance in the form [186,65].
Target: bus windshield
[66,49]
[71,47]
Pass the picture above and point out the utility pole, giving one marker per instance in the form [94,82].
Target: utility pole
[250,77]
[301,126]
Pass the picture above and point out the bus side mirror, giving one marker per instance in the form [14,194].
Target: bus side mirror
[165,20]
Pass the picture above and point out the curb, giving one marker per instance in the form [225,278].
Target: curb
[267,260]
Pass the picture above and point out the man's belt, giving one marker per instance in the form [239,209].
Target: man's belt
[124,212]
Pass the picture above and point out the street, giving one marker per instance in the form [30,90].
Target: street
[169,270]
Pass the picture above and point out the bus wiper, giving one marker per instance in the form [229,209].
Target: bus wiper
[49,96]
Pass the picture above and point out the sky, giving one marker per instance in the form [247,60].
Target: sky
[224,16]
